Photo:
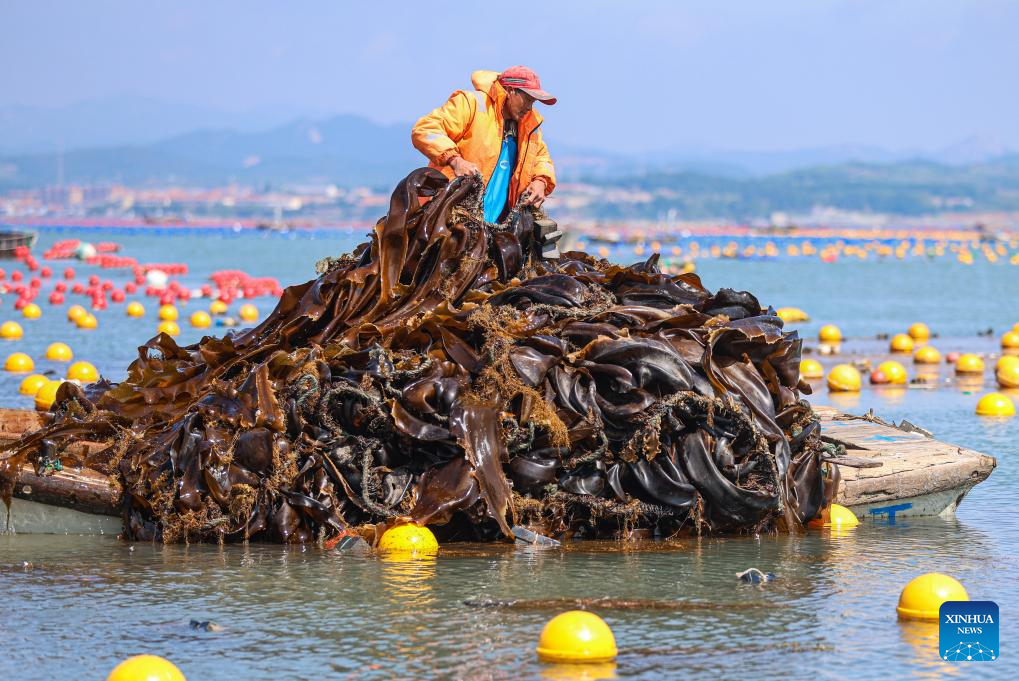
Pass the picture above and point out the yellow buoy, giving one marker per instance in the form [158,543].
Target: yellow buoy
[1007,371]
[1010,341]
[200,319]
[893,371]
[969,364]
[577,636]
[1006,360]
[409,538]
[11,331]
[811,369]
[47,395]
[248,312]
[923,596]
[836,516]
[919,332]
[901,342]
[995,404]
[19,362]
[31,384]
[218,307]
[135,309]
[59,352]
[927,355]
[830,333]
[792,314]
[844,378]
[169,327]
[75,312]
[31,311]
[145,668]
[83,371]
[87,321]
[168,313]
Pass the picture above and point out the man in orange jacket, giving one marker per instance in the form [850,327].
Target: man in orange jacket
[493,131]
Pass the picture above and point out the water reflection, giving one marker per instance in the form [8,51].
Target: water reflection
[579,672]
[922,640]
[969,382]
[407,579]
[844,401]
[891,395]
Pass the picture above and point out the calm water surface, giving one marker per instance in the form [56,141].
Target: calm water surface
[75,606]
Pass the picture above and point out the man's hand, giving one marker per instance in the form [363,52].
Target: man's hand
[463,167]
[534,195]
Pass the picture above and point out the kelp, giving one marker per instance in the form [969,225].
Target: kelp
[444,372]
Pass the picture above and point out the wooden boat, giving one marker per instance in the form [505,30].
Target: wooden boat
[917,476]
[904,472]
[10,240]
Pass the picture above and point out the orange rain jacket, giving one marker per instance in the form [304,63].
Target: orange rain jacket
[470,124]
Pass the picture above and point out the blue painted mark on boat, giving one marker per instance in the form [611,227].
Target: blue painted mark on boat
[890,511]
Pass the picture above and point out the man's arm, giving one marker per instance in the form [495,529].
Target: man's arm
[543,167]
[543,174]
[436,134]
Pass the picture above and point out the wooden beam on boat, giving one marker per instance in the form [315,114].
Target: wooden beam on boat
[78,489]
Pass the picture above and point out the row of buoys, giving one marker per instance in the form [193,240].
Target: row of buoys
[43,389]
[847,378]
[900,342]
[962,249]
[21,363]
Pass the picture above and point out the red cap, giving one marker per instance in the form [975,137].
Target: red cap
[523,78]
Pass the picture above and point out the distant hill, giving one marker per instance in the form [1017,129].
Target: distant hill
[116,121]
[904,188]
[350,150]
[346,150]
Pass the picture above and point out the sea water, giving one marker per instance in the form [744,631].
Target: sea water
[74,606]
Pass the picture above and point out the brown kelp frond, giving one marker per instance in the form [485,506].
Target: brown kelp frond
[444,372]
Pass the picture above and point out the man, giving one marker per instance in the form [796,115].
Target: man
[494,132]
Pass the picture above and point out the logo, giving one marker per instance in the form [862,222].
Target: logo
[968,631]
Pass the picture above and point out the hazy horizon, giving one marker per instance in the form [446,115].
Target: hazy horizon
[896,75]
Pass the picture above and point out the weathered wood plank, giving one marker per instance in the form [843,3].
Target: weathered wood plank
[913,465]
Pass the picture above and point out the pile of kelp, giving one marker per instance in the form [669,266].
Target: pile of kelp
[445,372]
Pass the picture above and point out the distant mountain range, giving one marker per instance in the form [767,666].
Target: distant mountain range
[900,188]
[345,150]
[143,142]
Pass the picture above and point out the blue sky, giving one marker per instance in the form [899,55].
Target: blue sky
[632,76]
